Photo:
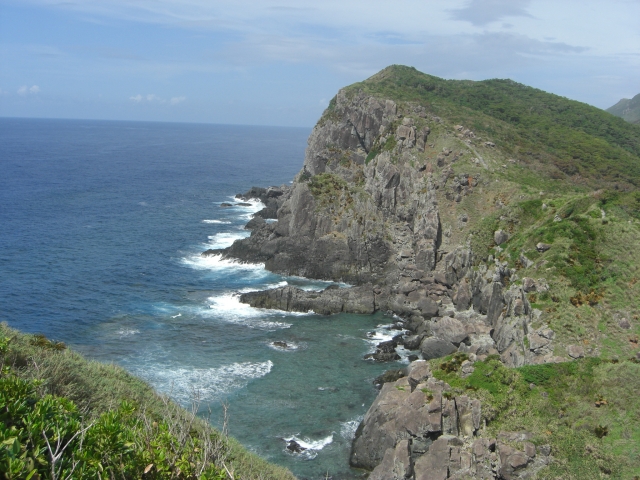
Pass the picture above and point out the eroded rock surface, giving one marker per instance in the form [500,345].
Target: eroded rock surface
[417,430]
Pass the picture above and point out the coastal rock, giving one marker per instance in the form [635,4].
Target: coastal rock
[328,301]
[435,348]
[395,465]
[450,330]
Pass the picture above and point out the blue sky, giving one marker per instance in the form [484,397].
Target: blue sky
[280,62]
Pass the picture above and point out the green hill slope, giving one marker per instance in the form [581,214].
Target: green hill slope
[565,138]
[628,109]
[62,416]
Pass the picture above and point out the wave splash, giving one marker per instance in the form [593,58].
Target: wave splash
[204,384]
[306,447]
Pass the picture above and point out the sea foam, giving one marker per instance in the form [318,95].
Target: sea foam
[220,222]
[311,447]
[204,384]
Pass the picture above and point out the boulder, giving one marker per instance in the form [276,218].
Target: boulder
[500,236]
[529,284]
[449,329]
[432,347]
[255,222]
[542,247]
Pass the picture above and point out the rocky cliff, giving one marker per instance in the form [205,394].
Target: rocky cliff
[484,234]
[380,203]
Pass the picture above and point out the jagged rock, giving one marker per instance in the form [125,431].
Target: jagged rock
[449,329]
[542,247]
[255,222]
[435,348]
[624,323]
[500,236]
[295,447]
[226,204]
[331,300]
[376,433]
[412,342]
[526,263]
[434,465]
[390,376]
[462,296]
[395,465]
[529,284]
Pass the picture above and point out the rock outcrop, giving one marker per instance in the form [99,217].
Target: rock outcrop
[364,210]
[416,429]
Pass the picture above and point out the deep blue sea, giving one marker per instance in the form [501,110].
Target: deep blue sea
[101,229]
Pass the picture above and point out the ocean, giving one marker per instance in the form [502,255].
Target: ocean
[102,226]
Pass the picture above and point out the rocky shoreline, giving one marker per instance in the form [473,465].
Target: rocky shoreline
[365,209]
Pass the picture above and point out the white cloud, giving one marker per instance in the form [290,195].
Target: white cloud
[25,90]
[155,99]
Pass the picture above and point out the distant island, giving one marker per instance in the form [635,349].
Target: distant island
[629,109]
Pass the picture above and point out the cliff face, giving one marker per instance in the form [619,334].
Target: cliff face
[477,212]
[366,209]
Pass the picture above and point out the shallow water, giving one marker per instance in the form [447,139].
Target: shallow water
[102,227]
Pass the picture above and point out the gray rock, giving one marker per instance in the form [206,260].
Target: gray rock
[395,465]
[526,263]
[331,300]
[624,323]
[428,307]
[434,465]
[575,351]
[255,222]
[412,342]
[529,284]
[462,296]
[542,247]
[500,236]
[435,348]
[449,329]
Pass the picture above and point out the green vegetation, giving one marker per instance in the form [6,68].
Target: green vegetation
[62,416]
[587,410]
[561,137]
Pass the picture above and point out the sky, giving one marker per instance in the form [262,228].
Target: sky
[279,62]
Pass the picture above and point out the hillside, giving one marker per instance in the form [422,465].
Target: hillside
[62,416]
[499,223]
[628,109]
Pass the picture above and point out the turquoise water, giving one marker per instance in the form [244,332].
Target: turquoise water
[103,224]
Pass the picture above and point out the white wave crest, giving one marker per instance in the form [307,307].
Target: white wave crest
[127,332]
[221,222]
[227,307]
[205,384]
[311,447]
[348,428]
[226,239]
[283,346]
[216,262]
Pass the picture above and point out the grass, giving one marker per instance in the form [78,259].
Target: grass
[121,425]
[587,411]
[560,137]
